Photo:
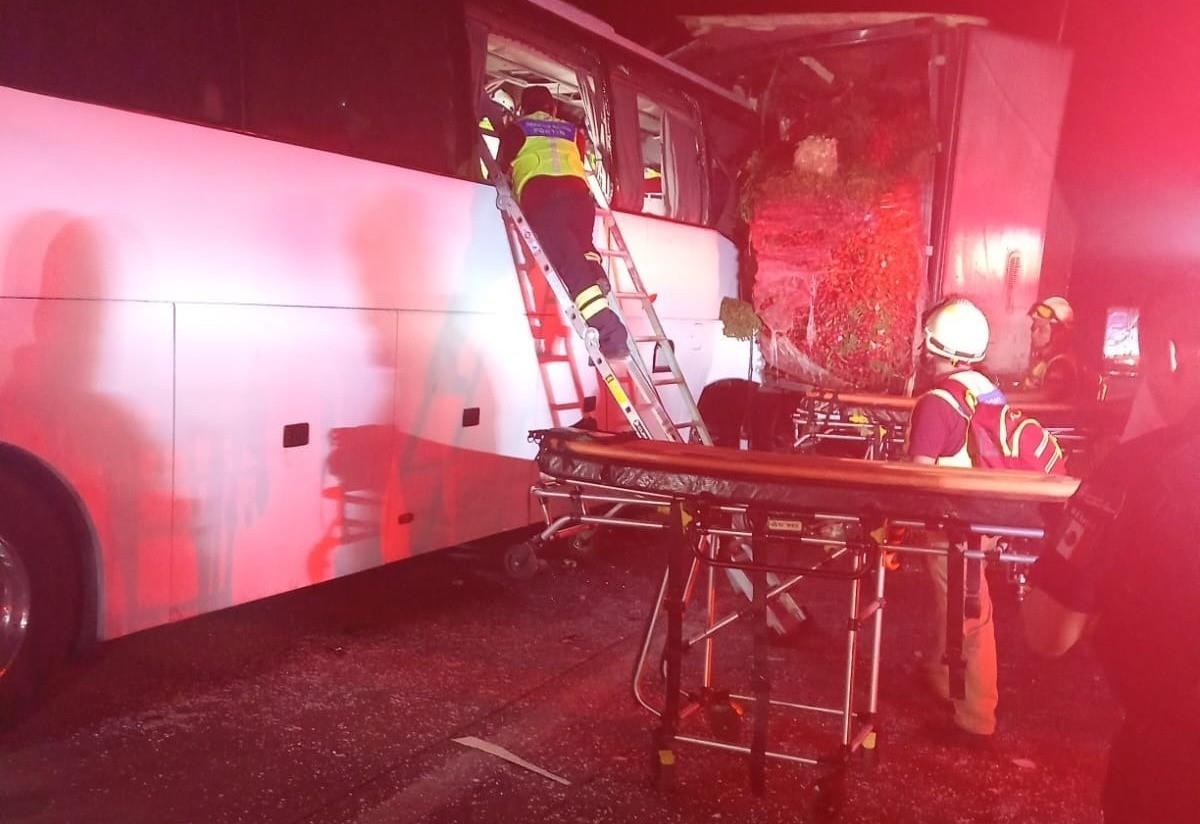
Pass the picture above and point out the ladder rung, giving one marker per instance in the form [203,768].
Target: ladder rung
[528,255]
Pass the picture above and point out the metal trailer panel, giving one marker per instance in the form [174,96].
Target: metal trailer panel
[1011,102]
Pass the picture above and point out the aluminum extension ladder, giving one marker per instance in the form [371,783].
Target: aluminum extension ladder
[647,414]
[645,410]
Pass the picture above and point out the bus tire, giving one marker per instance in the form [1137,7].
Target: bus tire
[40,590]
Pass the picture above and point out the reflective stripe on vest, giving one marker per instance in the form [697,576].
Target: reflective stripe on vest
[961,458]
[1037,373]
[973,388]
[591,301]
[549,150]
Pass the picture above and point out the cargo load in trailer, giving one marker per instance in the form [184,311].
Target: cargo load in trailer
[903,158]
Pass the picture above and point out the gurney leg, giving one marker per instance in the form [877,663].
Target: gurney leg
[873,698]
[678,553]
[851,657]
[760,680]
[711,617]
[955,602]
[647,639]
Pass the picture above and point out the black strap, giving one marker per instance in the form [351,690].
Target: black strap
[678,558]
[955,601]
[973,604]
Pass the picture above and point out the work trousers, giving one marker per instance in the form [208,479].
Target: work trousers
[976,712]
[563,216]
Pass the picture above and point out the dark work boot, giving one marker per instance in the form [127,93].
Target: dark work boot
[613,335]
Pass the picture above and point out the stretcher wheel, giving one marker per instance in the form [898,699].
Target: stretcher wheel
[521,562]
[663,766]
[724,717]
[869,751]
[582,545]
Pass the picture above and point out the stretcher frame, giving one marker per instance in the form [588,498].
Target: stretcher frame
[879,422]
[694,549]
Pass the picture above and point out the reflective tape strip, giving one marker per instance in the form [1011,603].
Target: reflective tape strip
[1042,446]
[950,399]
[593,256]
[618,392]
[1054,461]
[590,302]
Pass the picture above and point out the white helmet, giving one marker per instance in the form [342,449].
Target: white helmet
[1055,310]
[503,98]
[958,331]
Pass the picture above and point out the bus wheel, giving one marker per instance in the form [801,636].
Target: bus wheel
[39,593]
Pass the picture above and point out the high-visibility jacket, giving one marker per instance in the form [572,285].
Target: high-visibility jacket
[1036,377]
[549,150]
[962,391]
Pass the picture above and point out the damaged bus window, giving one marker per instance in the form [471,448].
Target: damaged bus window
[511,67]
[672,172]
[650,132]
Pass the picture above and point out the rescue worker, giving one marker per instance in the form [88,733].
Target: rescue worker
[544,155]
[956,339]
[1125,558]
[1054,373]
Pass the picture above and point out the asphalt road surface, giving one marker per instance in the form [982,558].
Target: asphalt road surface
[340,703]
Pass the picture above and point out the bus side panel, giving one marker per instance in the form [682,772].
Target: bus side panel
[259,510]
[417,427]
[86,387]
[468,392]
[690,270]
[208,220]
[314,228]
[688,267]
[221,217]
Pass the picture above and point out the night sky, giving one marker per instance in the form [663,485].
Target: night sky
[1129,157]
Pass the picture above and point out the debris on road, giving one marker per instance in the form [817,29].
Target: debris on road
[500,752]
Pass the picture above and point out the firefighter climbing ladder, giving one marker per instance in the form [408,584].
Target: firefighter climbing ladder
[646,413]
[644,408]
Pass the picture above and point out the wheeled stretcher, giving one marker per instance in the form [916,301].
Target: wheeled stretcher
[878,423]
[803,519]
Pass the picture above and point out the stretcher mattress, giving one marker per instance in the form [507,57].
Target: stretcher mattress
[802,484]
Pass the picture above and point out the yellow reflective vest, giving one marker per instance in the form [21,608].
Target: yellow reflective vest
[962,391]
[1036,378]
[549,150]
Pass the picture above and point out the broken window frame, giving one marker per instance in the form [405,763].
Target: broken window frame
[685,196]
[590,81]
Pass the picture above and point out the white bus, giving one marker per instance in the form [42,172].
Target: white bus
[259,320]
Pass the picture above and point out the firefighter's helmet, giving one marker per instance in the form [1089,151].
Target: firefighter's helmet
[1055,310]
[503,99]
[958,331]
